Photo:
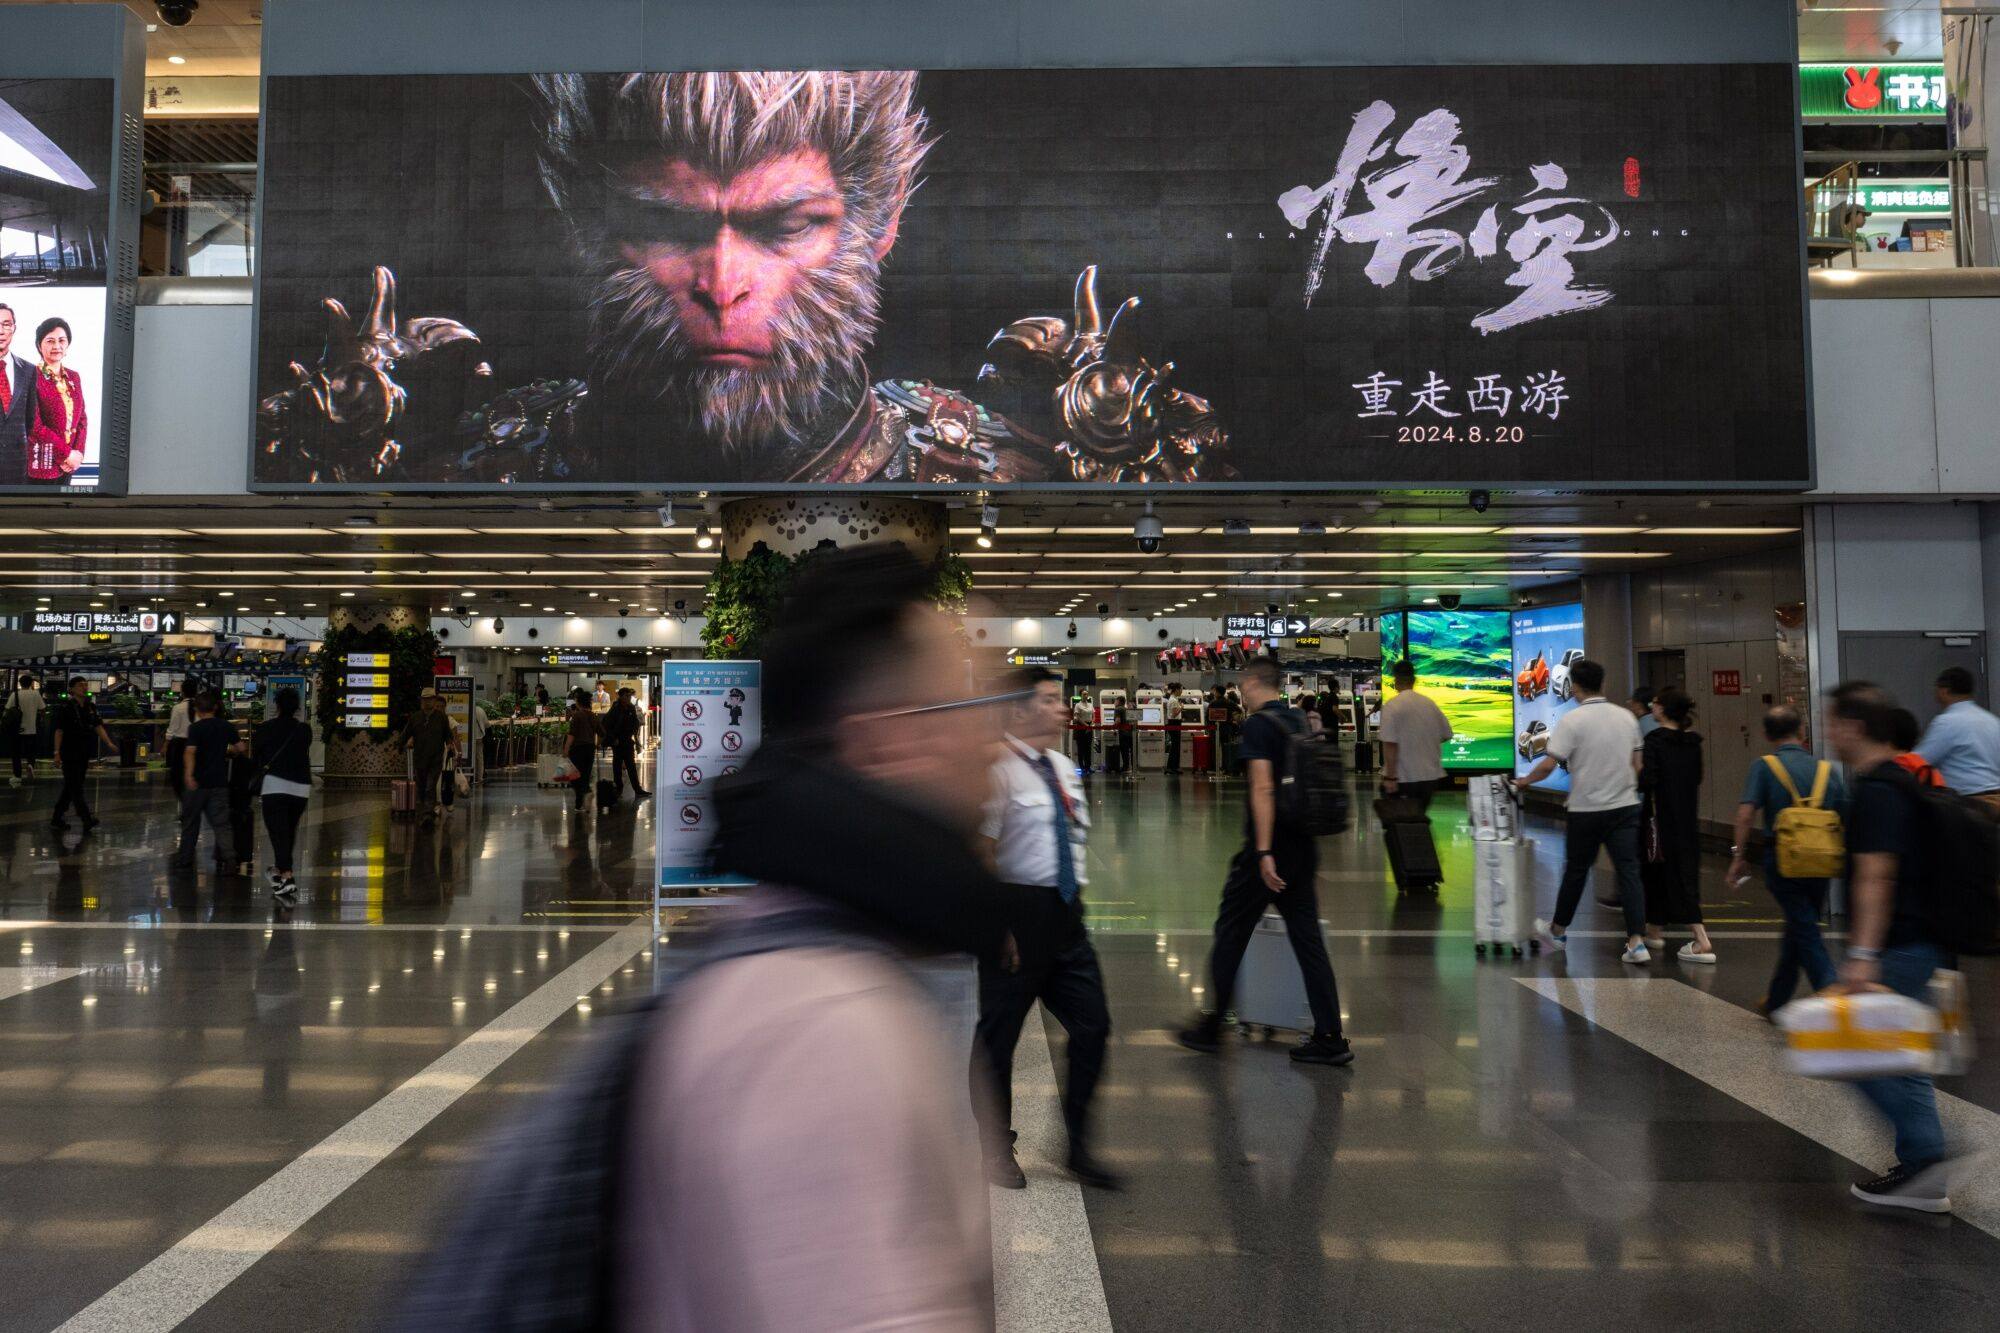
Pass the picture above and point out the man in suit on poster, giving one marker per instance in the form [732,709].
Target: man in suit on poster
[17,401]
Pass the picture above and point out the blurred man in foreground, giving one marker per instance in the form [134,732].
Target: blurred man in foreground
[801,1153]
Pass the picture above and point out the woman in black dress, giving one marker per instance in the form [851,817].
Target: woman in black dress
[1670,787]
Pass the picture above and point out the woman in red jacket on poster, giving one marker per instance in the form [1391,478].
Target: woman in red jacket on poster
[55,441]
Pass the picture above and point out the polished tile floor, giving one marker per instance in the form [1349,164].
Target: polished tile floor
[217,1111]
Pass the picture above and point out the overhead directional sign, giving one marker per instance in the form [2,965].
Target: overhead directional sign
[1242,627]
[1289,627]
[379,661]
[261,644]
[102,622]
[367,680]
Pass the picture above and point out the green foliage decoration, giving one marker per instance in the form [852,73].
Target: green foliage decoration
[744,597]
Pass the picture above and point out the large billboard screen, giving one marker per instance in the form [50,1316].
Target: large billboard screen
[56,145]
[1463,662]
[1355,276]
[1547,641]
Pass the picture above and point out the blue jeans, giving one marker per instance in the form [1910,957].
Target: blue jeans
[1802,901]
[1910,1103]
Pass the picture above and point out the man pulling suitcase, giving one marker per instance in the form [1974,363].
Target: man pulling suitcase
[1275,868]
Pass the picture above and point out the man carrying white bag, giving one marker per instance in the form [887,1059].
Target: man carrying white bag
[1876,1018]
[1503,895]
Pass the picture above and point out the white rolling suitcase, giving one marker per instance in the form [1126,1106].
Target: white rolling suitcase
[1503,890]
[1270,990]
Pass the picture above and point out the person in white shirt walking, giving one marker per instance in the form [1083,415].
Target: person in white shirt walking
[1035,827]
[27,735]
[1413,732]
[178,722]
[1600,743]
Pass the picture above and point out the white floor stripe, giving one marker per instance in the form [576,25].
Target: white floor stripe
[1735,1052]
[175,1285]
[1044,1260]
[20,980]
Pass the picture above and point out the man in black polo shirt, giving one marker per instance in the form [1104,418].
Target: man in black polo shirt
[1276,868]
[78,730]
[211,741]
[1892,941]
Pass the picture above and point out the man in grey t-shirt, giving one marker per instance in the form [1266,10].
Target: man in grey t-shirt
[1599,741]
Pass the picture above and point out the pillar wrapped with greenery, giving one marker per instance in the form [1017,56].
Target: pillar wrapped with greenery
[744,597]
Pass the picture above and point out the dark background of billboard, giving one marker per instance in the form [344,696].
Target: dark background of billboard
[1168,180]
[76,116]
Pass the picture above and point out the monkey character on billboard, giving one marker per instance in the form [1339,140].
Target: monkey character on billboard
[735,226]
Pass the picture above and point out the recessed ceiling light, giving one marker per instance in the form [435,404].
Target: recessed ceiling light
[177,60]
[548,608]
[347,594]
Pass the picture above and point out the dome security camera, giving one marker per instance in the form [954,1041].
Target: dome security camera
[1148,531]
[1104,608]
[1071,631]
[1479,500]
[534,633]
[177,13]
[624,611]
[1450,601]
[499,625]
[622,631]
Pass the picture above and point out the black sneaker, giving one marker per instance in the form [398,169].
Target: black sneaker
[1004,1171]
[1089,1171]
[1917,1188]
[1205,1035]
[1321,1050]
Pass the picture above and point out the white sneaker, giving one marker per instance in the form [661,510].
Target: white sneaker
[13,782]
[1548,932]
[1638,953]
[1690,954]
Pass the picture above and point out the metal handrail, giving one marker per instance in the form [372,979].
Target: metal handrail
[1830,203]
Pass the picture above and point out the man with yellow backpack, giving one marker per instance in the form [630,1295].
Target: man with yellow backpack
[1802,801]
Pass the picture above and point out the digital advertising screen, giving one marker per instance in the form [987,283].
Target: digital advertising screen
[56,146]
[1314,276]
[1463,662]
[1547,640]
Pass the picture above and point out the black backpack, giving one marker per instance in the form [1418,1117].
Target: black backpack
[1312,781]
[1961,868]
[532,1239]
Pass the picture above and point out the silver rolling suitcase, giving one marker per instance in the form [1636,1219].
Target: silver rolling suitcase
[1503,888]
[1270,990]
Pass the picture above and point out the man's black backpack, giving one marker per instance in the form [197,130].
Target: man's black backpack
[1312,781]
[1961,868]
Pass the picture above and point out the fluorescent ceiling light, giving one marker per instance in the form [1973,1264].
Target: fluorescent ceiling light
[1718,532]
[491,555]
[1577,531]
[578,531]
[1069,531]
[1606,555]
[973,531]
[1421,530]
[379,531]
[112,534]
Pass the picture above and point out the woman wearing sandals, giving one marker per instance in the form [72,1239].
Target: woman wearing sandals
[1670,789]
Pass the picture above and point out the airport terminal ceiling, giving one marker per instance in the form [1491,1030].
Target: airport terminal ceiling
[504,556]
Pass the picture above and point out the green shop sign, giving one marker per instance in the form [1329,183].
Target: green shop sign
[1870,92]
[1930,198]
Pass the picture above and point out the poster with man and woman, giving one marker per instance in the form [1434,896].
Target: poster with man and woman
[55,261]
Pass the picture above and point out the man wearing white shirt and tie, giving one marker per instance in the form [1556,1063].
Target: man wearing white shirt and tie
[1035,827]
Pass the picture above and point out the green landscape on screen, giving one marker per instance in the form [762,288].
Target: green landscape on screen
[1465,662]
